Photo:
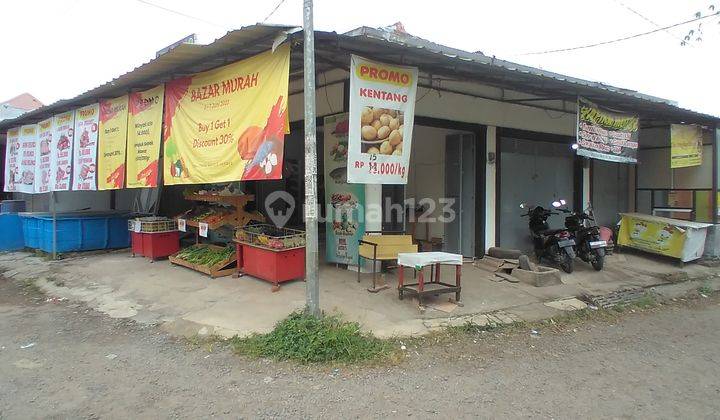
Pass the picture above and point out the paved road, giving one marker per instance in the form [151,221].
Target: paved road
[661,363]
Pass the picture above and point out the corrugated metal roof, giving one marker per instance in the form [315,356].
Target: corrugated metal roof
[332,50]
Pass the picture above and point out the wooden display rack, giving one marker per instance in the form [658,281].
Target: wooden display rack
[220,269]
[239,218]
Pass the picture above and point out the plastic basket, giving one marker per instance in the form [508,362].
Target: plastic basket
[152,224]
[270,237]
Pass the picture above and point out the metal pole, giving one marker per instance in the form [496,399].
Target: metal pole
[54,225]
[312,285]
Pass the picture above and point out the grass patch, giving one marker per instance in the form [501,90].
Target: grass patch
[705,289]
[307,339]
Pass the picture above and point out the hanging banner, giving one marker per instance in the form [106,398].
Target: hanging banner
[606,135]
[143,137]
[44,148]
[382,111]
[686,145]
[344,202]
[228,124]
[28,159]
[112,143]
[61,151]
[12,160]
[85,147]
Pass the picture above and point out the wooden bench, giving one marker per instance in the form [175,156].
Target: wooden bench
[382,246]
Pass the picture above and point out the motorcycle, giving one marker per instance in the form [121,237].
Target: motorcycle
[586,233]
[555,245]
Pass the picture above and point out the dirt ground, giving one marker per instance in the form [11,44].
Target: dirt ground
[658,363]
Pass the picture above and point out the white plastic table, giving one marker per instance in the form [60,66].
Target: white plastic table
[420,260]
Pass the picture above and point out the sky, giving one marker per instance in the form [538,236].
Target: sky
[57,49]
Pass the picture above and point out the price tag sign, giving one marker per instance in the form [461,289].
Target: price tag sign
[203,228]
[137,226]
[181,225]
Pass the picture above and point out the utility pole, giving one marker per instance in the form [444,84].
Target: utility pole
[312,281]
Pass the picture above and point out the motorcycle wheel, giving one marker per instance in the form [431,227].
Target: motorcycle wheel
[598,260]
[566,262]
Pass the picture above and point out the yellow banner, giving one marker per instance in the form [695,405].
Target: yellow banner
[657,237]
[144,130]
[685,146]
[112,142]
[228,124]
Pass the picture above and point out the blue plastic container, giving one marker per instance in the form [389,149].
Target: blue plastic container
[76,232]
[11,232]
[12,206]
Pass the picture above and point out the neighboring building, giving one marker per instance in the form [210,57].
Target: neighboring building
[13,108]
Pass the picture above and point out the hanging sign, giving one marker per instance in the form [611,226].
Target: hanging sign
[12,160]
[143,137]
[85,148]
[228,124]
[686,145]
[112,143]
[606,135]
[28,158]
[382,111]
[344,221]
[61,151]
[203,229]
[44,149]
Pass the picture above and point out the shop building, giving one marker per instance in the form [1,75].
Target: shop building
[489,134]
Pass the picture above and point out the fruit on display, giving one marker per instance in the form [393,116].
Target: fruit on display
[271,237]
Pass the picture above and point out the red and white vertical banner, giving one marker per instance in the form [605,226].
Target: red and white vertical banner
[12,160]
[85,148]
[28,158]
[382,111]
[61,151]
[44,147]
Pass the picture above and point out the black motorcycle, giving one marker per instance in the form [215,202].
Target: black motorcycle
[554,245]
[589,247]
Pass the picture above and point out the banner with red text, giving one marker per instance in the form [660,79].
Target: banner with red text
[382,111]
[42,167]
[85,148]
[112,143]
[28,159]
[12,160]
[61,151]
[228,124]
[144,131]
[605,134]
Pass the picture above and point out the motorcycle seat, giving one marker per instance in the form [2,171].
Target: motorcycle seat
[549,232]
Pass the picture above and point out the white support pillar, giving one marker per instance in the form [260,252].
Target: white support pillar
[490,193]
[586,178]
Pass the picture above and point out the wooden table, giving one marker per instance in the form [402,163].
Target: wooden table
[420,260]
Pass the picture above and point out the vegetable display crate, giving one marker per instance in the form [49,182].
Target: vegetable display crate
[152,224]
[274,266]
[192,257]
[76,232]
[270,237]
[11,238]
[155,245]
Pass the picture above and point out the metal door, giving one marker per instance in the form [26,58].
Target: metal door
[460,188]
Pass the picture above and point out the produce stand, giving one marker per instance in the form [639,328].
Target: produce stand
[663,236]
[154,237]
[418,261]
[238,217]
[269,253]
[213,260]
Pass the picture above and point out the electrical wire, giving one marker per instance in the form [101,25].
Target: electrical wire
[277,6]
[645,18]
[625,38]
[181,14]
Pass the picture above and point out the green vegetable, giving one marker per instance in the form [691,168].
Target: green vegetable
[204,255]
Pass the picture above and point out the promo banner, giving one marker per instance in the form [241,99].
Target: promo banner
[28,159]
[44,147]
[12,160]
[344,202]
[61,151]
[651,234]
[112,143]
[144,131]
[382,111]
[686,145]
[606,135]
[228,124]
[85,148]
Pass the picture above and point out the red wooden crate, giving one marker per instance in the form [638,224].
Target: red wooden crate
[160,245]
[272,266]
[137,243]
